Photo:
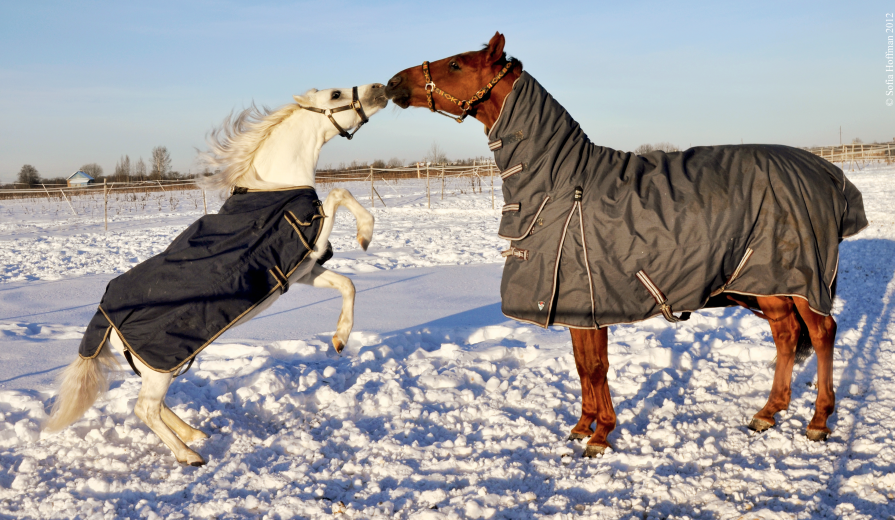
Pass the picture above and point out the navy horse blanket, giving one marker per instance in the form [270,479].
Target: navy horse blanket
[599,237]
[170,307]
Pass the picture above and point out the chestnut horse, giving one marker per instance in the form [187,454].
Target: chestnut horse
[478,83]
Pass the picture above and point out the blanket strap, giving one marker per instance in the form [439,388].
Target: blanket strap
[280,278]
[521,254]
[660,298]
[130,361]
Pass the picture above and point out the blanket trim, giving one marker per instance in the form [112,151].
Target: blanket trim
[531,225]
[215,336]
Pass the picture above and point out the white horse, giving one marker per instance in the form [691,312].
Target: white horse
[258,150]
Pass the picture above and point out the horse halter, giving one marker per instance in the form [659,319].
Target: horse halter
[354,105]
[465,106]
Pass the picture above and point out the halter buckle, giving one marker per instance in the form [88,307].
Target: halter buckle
[430,86]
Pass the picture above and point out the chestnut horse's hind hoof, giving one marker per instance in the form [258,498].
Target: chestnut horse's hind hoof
[577,436]
[760,425]
[817,435]
[592,450]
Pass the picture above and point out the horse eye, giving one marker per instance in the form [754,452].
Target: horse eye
[454,66]
[337,95]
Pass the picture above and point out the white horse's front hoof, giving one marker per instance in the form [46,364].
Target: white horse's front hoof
[338,344]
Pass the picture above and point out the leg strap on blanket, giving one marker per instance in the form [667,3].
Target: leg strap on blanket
[759,313]
[130,361]
[661,299]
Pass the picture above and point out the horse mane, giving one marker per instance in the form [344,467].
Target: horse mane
[504,58]
[235,143]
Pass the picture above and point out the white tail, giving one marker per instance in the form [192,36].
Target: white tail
[80,384]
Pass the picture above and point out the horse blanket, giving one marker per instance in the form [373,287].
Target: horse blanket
[170,307]
[599,237]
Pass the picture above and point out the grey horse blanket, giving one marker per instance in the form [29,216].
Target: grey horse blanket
[170,307]
[600,237]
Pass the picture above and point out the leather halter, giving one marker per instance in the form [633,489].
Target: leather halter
[354,105]
[464,105]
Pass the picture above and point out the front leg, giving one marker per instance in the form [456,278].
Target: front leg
[785,329]
[321,277]
[591,348]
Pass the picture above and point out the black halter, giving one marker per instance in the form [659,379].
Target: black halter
[354,105]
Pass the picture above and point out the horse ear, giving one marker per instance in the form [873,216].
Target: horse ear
[303,98]
[495,47]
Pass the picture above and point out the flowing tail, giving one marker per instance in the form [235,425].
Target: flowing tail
[80,384]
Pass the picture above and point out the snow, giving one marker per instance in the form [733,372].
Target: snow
[440,407]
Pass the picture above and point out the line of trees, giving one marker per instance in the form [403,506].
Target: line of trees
[158,168]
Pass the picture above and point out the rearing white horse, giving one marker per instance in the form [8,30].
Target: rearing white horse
[226,268]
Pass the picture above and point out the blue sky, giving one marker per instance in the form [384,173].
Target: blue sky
[91,81]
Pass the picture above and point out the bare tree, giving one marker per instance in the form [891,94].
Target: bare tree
[394,162]
[140,169]
[123,169]
[662,147]
[435,154]
[94,170]
[159,163]
[28,175]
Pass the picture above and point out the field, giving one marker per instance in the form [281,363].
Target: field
[440,407]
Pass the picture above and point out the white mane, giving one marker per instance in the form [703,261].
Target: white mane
[234,145]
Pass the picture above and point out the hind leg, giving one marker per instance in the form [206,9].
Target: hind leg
[591,348]
[150,404]
[183,430]
[785,330]
[322,277]
[822,330]
[151,409]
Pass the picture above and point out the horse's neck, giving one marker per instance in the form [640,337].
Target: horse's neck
[489,110]
[289,156]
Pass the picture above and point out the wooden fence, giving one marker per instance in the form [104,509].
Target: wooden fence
[856,153]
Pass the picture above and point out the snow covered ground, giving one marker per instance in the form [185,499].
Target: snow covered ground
[440,408]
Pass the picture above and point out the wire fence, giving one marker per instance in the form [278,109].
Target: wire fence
[117,198]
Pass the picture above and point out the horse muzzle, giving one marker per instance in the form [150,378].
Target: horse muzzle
[398,91]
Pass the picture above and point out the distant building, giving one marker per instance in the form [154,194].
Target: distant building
[80,178]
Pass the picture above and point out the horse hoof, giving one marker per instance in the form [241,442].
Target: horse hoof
[592,450]
[817,435]
[338,345]
[760,425]
[577,436]
[192,459]
[363,241]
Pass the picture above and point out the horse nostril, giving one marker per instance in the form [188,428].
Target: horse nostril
[377,86]
[395,81]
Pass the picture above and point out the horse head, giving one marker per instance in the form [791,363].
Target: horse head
[264,148]
[473,83]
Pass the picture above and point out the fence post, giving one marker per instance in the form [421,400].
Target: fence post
[418,170]
[442,181]
[204,205]
[428,195]
[105,205]
[69,203]
[372,204]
